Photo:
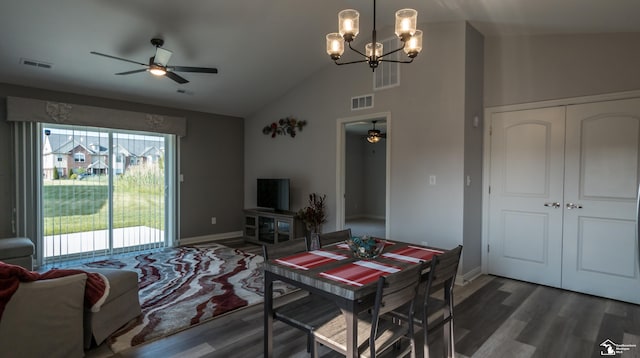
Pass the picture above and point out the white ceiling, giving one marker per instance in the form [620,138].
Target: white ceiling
[261,48]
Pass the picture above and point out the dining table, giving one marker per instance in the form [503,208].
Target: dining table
[334,273]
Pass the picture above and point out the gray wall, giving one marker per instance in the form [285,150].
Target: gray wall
[354,165]
[427,137]
[473,138]
[211,161]
[365,178]
[526,69]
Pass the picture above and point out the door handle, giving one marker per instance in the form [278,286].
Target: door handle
[552,205]
[573,206]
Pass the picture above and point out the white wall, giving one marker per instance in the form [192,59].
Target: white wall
[427,137]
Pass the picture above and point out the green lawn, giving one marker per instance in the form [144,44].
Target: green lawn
[82,205]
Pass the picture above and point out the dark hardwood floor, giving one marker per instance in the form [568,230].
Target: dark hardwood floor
[495,317]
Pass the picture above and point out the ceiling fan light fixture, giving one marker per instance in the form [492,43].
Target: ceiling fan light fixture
[373,139]
[373,136]
[157,70]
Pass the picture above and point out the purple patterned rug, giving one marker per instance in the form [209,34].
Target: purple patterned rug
[184,286]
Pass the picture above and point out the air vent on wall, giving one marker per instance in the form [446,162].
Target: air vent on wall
[34,63]
[362,102]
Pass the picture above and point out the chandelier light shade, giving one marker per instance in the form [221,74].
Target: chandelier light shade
[349,23]
[349,28]
[369,50]
[413,47]
[335,45]
[406,20]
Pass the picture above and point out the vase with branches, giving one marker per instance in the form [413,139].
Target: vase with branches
[313,216]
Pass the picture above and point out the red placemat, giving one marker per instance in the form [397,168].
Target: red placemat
[360,273]
[310,259]
[413,254]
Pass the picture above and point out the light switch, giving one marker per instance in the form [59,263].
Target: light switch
[432,180]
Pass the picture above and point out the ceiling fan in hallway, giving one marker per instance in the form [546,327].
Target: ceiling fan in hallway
[158,64]
[374,135]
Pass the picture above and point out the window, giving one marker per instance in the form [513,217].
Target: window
[387,74]
[59,159]
[93,214]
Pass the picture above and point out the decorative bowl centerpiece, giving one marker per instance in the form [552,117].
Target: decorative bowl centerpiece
[366,247]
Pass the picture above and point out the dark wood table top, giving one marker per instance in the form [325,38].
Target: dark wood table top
[312,279]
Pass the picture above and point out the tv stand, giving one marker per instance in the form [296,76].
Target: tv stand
[272,227]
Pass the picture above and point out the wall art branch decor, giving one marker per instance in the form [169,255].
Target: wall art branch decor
[285,126]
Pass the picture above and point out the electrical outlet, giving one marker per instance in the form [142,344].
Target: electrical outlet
[213,220]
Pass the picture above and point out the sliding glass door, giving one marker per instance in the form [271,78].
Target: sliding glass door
[104,191]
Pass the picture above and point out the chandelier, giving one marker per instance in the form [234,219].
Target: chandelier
[348,29]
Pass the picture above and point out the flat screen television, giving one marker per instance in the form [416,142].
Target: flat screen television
[273,194]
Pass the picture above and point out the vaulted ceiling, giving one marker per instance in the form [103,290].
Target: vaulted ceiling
[261,48]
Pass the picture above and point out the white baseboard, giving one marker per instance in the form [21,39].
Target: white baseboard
[356,217]
[462,280]
[212,237]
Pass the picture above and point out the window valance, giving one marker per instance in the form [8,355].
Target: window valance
[34,110]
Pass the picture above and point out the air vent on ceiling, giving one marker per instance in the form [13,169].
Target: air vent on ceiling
[34,63]
[362,102]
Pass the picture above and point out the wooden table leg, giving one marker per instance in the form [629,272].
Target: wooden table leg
[268,315]
[352,330]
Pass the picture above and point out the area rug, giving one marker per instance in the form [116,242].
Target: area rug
[185,286]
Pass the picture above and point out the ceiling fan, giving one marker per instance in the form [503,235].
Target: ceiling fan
[158,64]
[374,135]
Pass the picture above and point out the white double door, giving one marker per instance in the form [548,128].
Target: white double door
[563,201]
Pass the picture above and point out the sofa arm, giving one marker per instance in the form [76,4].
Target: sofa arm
[44,319]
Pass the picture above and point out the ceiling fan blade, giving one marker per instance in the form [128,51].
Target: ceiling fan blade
[176,77]
[162,56]
[193,69]
[130,72]
[117,58]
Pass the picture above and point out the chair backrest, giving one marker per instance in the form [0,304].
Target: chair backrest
[393,292]
[284,249]
[444,268]
[334,237]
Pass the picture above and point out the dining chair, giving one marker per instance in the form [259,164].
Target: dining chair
[304,312]
[440,274]
[334,237]
[284,249]
[376,332]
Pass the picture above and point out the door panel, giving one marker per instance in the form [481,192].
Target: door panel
[525,236]
[601,178]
